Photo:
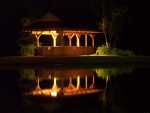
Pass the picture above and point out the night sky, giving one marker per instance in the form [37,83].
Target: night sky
[134,36]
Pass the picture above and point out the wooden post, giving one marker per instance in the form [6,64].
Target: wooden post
[54,36]
[54,41]
[70,42]
[37,36]
[92,36]
[78,40]
[70,38]
[86,40]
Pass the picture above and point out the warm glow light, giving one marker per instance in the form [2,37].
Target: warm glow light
[46,92]
[78,41]
[37,92]
[36,32]
[45,32]
[53,31]
[54,93]
[54,89]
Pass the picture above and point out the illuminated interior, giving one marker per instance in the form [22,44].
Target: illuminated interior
[69,33]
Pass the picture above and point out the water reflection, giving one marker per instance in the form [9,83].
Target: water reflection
[65,90]
[90,85]
[105,73]
[61,89]
[108,73]
[63,82]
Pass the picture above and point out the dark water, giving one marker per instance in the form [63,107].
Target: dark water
[122,89]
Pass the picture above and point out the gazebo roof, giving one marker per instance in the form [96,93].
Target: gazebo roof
[51,22]
[47,17]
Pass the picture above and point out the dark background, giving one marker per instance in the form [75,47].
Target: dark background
[135,34]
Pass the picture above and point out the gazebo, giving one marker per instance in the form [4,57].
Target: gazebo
[54,37]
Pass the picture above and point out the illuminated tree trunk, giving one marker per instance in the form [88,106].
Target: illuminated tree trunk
[107,79]
[106,21]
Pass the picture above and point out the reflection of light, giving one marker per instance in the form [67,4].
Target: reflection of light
[46,92]
[37,90]
[71,86]
[78,82]
[93,82]
[54,93]
[86,82]
[55,89]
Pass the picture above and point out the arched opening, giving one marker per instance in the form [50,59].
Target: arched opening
[89,41]
[74,41]
[58,40]
[66,41]
[46,40]
[82,40]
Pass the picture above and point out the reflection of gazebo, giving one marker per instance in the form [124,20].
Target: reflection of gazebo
[59,83]
[54,37]
[69,90]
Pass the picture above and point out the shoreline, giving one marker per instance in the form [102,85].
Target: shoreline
[73,60]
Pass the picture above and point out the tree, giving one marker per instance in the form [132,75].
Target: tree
[118,14]
[106,20]
[111,21]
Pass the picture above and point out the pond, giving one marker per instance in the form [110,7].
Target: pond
[75,89]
